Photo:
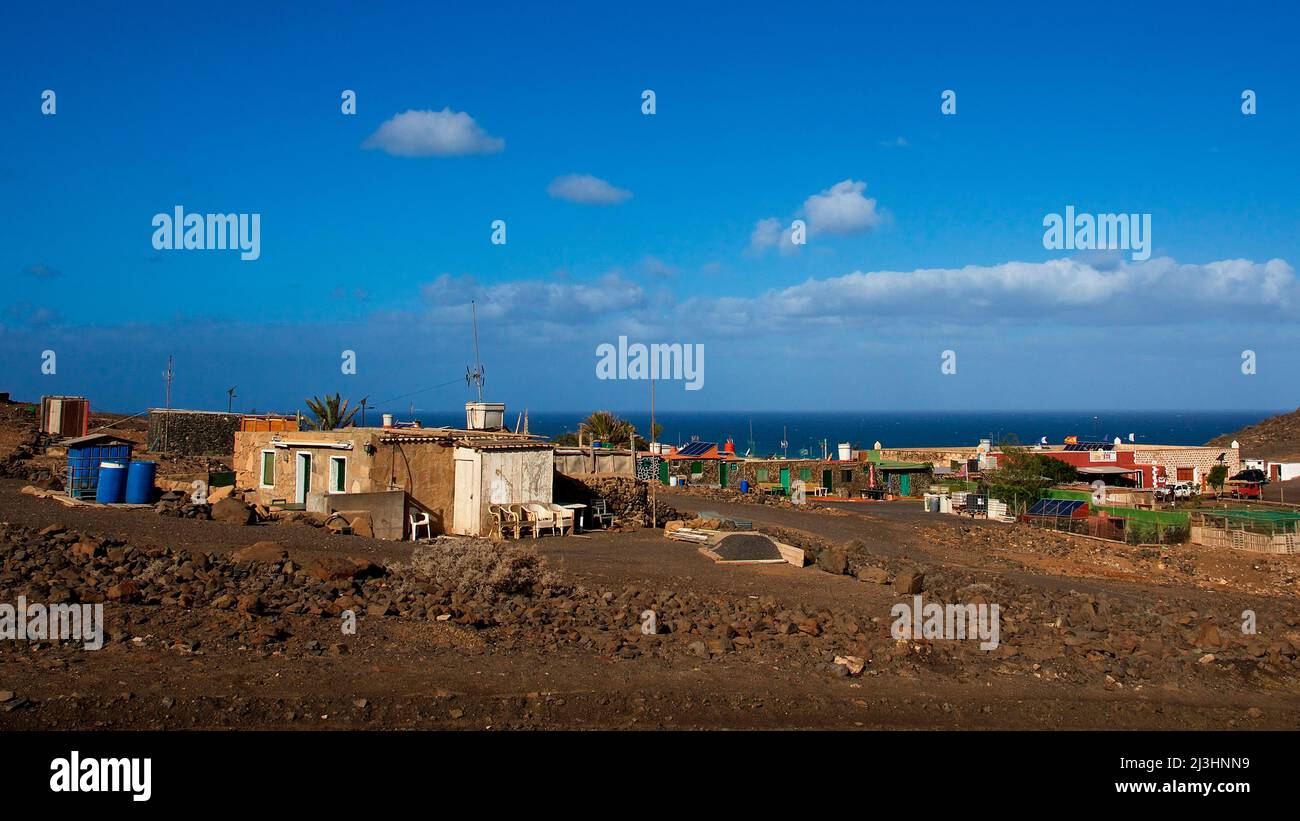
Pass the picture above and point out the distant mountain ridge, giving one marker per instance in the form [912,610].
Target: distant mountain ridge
[1276,438]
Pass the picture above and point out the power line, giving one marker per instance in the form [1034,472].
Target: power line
[421,390]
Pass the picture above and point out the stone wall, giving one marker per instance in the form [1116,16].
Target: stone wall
[193,433]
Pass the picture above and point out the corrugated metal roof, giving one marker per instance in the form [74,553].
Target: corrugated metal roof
[94,439]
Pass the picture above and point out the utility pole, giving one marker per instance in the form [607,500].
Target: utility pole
[654,451]
[230,399]
[364,400]
[167,377]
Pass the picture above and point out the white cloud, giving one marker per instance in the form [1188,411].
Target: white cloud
[975,299]
[586,190]
[842,210]
[766,234]
[656,267]
[443,133]
[1062,291]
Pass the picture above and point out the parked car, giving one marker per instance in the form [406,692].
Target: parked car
[1177,490]
[1246,491]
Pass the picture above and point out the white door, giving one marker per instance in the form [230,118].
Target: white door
[466,498]
[303,478]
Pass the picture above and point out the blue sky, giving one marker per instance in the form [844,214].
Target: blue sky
[925,230]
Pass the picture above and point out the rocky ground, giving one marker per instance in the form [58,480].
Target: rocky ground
[216,617]
[548,633]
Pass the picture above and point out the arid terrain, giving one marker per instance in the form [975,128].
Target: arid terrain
[211,624]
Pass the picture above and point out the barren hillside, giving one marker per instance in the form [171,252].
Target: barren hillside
[1277,437]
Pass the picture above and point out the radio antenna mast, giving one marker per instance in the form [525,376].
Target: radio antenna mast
[474,376]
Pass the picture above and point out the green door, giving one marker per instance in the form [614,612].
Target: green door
[827,482]
[785,480]
[905,484]
[663,472]
[722,474]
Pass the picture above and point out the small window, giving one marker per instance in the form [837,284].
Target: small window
[697,468]
[805,474]
[268,468]
[762,474]
[338,474]
[846,475]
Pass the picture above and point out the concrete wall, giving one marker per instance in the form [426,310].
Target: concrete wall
[426,471]
[595,462]
[387,509]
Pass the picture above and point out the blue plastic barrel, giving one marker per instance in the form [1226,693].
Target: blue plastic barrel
[112,483]
[744,485]
[139,483]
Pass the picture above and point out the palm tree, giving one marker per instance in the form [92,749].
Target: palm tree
[331,412]
[605,426]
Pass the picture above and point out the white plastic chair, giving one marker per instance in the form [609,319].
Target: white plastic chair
[541,516]
[563,516]
[420,521]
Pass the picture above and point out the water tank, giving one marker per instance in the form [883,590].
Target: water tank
[140,483]
[485,415]
[111,489]
[388,420]
[846,451]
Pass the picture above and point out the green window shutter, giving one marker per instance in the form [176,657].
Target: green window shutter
[268,468]
[805,474]
[762,474]
[340,475]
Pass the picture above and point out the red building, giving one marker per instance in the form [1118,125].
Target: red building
[1114,467]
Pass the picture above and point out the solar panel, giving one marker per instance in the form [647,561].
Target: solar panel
[696,448]
[1055,507]
[1078,446]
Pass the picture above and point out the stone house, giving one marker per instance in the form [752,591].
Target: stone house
[452,474]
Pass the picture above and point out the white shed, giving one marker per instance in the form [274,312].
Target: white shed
[498,471]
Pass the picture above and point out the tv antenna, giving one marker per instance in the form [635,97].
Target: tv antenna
[230,398]
[474,376]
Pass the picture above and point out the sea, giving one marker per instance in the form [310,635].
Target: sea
[803,432]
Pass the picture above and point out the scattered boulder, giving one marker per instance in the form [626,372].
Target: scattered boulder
[260,552]
[337,568]
[854,664]
[910,582]
[875,575]
[834,561]
[233,511]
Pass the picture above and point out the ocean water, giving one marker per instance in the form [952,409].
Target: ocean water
[804,431]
